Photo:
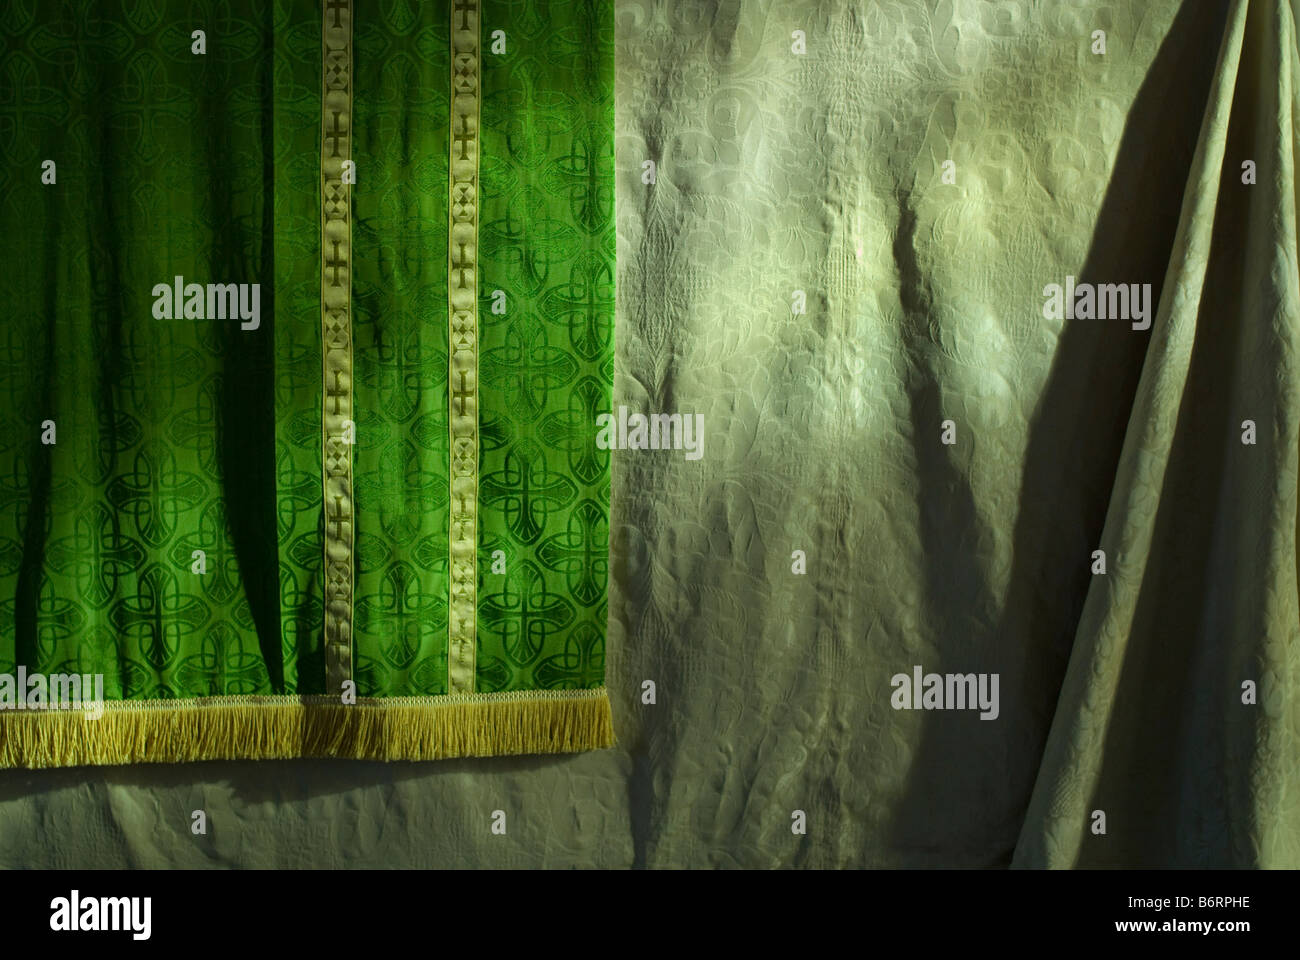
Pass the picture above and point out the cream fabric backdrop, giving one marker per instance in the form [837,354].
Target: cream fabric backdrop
[822,172]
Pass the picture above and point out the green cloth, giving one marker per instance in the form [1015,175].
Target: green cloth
[165,519]
[165,430]
[1119,692]
[546,360]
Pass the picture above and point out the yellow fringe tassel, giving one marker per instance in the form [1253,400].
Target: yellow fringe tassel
[252,728]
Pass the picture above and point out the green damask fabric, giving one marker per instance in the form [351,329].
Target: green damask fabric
[162,433]
[824,172]
[546,362]
[400,349]
[182,514]
[290,115]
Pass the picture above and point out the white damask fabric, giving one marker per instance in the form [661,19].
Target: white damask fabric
[913,175]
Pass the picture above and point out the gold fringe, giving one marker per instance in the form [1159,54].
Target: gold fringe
[370,730]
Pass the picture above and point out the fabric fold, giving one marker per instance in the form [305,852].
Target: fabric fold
[1178,703]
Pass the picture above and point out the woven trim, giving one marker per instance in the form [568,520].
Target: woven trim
[265,728]
[338,428]
[462,303]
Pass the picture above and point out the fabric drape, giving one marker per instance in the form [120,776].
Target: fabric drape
[307,320]
[921,173]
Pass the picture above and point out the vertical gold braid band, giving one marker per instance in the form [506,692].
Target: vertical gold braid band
[337,425]
[462,302]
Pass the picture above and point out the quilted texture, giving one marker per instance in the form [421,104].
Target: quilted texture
[824,172]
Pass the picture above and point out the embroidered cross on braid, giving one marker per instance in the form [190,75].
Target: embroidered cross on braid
[336,338]
[462,309]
